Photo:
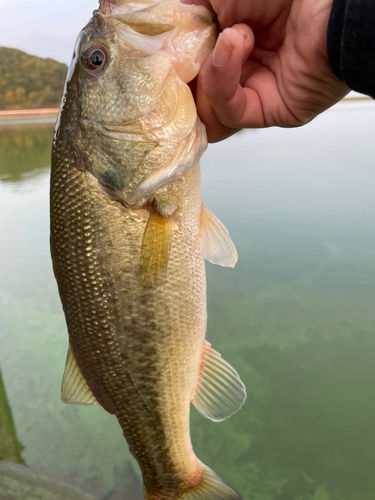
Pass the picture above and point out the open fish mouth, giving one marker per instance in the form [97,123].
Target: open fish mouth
[152,17]
[146,27]
[155,17]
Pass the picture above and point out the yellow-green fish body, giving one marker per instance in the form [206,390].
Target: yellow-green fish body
[129,235]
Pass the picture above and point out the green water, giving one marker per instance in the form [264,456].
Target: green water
[296,317]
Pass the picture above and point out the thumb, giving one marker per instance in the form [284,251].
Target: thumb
[220,104]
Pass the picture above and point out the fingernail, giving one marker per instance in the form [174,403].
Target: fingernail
[242,31]
[222,51]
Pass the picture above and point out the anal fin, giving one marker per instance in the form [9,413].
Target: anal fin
[220,391]
[217,247]
[74,388]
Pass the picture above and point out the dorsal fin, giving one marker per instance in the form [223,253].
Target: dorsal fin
[220,391]
[217,247]
[74,389]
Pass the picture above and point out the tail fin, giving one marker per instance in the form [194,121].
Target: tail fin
[211,487]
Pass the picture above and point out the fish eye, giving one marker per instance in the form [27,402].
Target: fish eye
[94,58]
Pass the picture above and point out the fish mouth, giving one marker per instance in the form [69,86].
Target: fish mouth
[151,17]
[115,7]
[152,26]
[148,18]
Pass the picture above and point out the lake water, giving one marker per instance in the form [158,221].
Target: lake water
[296,318]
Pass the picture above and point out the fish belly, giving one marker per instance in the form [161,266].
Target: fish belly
[138,348]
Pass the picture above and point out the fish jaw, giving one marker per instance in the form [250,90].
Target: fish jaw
[189,31]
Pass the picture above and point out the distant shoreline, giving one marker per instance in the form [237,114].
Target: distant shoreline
[19,116]
[28,114]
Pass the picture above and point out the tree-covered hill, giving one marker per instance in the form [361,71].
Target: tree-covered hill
[29,81]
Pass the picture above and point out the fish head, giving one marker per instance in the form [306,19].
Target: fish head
[127,108]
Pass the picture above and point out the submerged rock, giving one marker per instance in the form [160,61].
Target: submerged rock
[21,483]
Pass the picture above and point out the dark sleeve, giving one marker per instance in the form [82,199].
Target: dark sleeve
[351,43]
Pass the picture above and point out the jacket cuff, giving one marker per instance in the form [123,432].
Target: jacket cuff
[334,36]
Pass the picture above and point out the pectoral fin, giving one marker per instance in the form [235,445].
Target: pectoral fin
[217,247]
[220,391]
[157,242]
[74,389]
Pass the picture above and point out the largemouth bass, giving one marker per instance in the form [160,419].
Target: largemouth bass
[129,235]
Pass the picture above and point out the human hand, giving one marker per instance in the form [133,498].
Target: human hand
[269,67]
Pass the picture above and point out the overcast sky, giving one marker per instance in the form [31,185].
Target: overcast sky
[46,28]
